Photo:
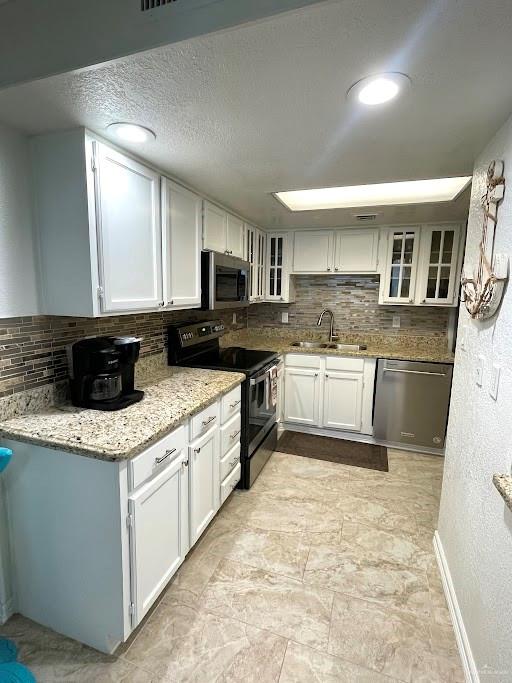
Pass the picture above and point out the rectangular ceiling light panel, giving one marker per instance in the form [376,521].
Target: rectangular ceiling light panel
[381,194]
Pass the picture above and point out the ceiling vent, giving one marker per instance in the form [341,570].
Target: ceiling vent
[366,217]
[151,4]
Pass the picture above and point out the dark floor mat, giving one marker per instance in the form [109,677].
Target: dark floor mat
[334,450]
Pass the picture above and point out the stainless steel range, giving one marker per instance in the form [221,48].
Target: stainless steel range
[196,344]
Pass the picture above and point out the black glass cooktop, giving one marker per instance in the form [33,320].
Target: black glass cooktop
[233,358]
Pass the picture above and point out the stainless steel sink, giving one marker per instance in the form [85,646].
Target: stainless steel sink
[347,347]
[309,345]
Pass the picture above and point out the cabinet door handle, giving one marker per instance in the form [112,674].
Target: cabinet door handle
[328,270]
[316,374]
[184,464]
[327,377]
[158,461]
[207,422]
[197,450]
[336,269]
[234,435]
[235,404]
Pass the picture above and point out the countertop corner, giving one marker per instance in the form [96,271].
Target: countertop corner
[503,482]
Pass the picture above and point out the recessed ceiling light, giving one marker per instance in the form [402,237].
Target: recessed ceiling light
[381,194]
[131,132]
[379,89]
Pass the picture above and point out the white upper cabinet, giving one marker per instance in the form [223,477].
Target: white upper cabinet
[352,250]
[398,286]
[312,251]
[222,232]
[235,236]
[279,286]
[128,231]
[214,228]
[251,256]
[356,251]
[261,239]
[181,219]
[439,265]
[98,225]
[422,265]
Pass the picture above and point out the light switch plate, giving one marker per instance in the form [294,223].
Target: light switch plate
[284,316]
[495,381]
[479,371]
[396,321]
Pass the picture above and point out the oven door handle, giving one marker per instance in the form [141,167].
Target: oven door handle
[259,380]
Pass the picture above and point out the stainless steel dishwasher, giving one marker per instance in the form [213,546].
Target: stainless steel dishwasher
[411,402]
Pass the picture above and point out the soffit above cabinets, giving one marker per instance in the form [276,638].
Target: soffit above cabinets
[261,108]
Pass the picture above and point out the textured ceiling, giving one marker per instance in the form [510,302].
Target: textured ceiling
[262,108]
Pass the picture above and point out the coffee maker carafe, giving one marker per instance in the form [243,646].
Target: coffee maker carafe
[102,371]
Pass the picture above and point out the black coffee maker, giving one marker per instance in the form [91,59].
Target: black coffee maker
[102,371]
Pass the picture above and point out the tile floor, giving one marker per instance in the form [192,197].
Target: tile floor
[322,572]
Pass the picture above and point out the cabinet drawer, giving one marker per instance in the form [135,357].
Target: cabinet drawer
[156,457]
[231,404]
[229,483]
[344,364]
[229,461]
[230,434]
[303,360]
[204,421]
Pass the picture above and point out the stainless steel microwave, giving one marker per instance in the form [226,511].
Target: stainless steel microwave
[225,281]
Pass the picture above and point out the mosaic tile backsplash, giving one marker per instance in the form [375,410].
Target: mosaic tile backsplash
[33,349]
[354,301]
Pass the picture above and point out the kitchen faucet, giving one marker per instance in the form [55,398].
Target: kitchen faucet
[332,336]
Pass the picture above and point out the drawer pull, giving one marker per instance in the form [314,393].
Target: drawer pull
[234,435]
[158,461]
[233,463]
[233,486]
[235,404]
[207,422]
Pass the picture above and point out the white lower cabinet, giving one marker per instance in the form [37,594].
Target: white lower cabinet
[204,482]
[343,393]
[159,538]
[100,541]
[329,392]
[302,388]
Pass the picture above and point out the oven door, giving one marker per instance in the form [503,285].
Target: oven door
[262,411]
[226,280]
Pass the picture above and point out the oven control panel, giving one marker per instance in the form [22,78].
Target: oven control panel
[190,334]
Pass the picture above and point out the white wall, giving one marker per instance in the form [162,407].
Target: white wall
[475,527]
[18,289]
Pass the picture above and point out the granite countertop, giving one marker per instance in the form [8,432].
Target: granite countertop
[172,395]
[405,347]
[503,483]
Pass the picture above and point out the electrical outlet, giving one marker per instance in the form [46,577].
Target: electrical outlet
[495,381]
[284,316]
[396,321]
[234,318]
[479,371]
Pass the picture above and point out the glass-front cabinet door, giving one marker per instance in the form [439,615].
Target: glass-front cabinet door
[440,253]
[275,252]
[401,267]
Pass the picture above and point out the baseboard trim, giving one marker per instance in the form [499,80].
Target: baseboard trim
[356,436]
[466,655]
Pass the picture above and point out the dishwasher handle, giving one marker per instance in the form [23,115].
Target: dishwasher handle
[416,372]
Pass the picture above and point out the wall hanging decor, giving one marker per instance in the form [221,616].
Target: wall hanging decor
[482,290]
